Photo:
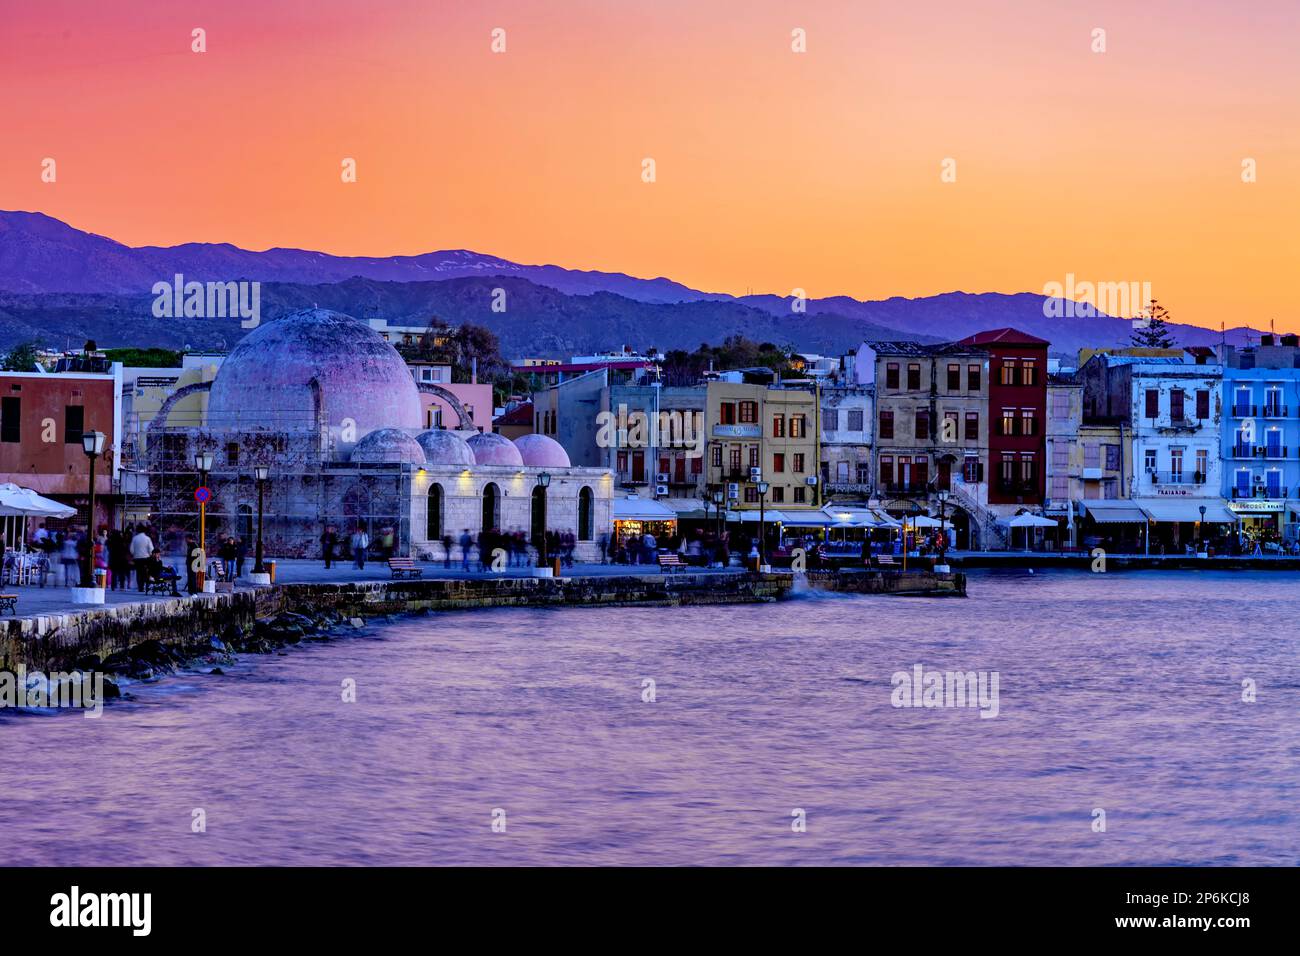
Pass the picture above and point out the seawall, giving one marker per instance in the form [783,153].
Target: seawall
[898,583]
[61,641]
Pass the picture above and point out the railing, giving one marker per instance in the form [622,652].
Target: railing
[1017,487]
[846,487]
[1259,491]
[1274,410]
[1270,451]
[1244,411]
[1243,451]
[1177,477]
[903,487]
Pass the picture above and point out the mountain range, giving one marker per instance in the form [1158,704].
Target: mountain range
[60,285]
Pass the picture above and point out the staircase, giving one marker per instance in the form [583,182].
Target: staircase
[993,535]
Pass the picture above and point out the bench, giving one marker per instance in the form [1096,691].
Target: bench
[885,561]
[8,603]
[404,567]
[163,583]
[671,562]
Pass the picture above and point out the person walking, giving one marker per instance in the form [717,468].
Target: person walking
[99,558]
[465,542]
[68,559]
[141,549]
[193,561]
[241,555]
[446,550]
[360,541]
[329,540]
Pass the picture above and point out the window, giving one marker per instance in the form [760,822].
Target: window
[778,426]
[922,424]
[587,513]
[830,419]
[951,427]
[1202,464]
[1028,372]
[919,466]
[886,469]
[972,469]
[638,466]
[1175,464]
[886,423]
[621,466]
[1273,402]
[1027,422]
[1091,455]
[1112,457]
[855,420]
[734,458]
[1241,403]
[232,453]
[753,456]
[727,413]
[798,463]
[1241,486]
[864,472]
[74,420]
[1008,421]
[1153,403]
[972,426]
[751,495]
[717,456]
[1202,404]
[1176,404]
[799,495]
[797,426]
[891,375]
[433,518]
[748,412]
[914,376]
[954,378]
[778,462]
[1149,460]
[10,419]
[1028,469]
[1008,372]
[778,494]
[972,378]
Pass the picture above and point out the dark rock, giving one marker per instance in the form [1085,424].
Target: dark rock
[217,670]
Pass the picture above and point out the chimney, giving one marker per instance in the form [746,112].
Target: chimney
[1266,339]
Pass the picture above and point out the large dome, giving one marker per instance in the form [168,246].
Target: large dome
[539,451]
[443,447]
[388,445]
[287,371]
[492,449]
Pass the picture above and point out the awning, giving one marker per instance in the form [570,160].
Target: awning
[1113,511]
[770,516]
[1174,510]
[806,519]
[633,508]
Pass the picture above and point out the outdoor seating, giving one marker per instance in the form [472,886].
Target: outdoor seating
[404,567]
[885,561]
[671,561]
[162,582]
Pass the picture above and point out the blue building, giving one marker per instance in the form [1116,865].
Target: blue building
[1261,437]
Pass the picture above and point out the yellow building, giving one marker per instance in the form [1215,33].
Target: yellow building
[760,433]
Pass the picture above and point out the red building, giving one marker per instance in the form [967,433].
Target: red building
[42,418]
[1017,415]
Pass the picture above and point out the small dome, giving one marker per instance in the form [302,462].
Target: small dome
[492,449]
[443,447]
[539,451]
[389,445]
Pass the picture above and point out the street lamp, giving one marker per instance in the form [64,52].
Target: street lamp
[943,534]
[543,482]
[261,473]
[92,443]
[1200,531]
[718,499]
[203,465]
[762,521]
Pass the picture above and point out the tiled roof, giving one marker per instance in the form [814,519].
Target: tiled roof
[1003,337]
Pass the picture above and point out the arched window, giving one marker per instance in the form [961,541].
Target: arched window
[491,507]
[586,514]
[433,520]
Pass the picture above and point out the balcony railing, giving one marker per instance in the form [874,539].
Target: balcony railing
[1243,411]
[1017,487]
[1270,451]
[1243,451]
[1274,410]
[1177,477]
[903,487]
[1259,491]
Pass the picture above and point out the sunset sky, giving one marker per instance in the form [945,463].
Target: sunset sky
[775,170]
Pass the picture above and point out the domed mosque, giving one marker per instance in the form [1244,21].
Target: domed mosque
[334,413]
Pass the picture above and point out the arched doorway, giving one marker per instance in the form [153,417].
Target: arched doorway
[491,507]
[433,519]
[586,514]
[959,531]
[539,515]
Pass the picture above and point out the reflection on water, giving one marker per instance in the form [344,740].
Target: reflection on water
[1117,691]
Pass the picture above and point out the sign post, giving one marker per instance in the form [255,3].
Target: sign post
[202,495]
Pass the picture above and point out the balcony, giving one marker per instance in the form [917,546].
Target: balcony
[1244,411]
[1017,487]
[896,488]
[1243,451]
[1274,410]
[1270,451]
[1258,491]
[846,487]
[1176,477]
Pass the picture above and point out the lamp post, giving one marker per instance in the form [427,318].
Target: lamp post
[943,533]
[718,499]
[543,482]
[1200,531]
[762,522]
[92,443]
[203,465]
[261,473]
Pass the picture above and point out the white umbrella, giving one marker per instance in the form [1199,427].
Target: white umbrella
[1028,521]
[924,521]
[23,501]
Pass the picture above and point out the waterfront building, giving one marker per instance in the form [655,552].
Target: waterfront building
[42,418]
[762,432]
[1172,408]
[1261,437]
[334,412]
[515,420]
[847,424]
[932,433]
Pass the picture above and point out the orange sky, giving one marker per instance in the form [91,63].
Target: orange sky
[775,170]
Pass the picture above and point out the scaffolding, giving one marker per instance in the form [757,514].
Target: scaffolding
[308,488]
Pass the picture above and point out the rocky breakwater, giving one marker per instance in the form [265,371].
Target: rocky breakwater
[899,583]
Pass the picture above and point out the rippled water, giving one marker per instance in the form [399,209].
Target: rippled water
[1117,691]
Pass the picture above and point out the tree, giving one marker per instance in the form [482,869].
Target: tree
[21,358]
[1151,329]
